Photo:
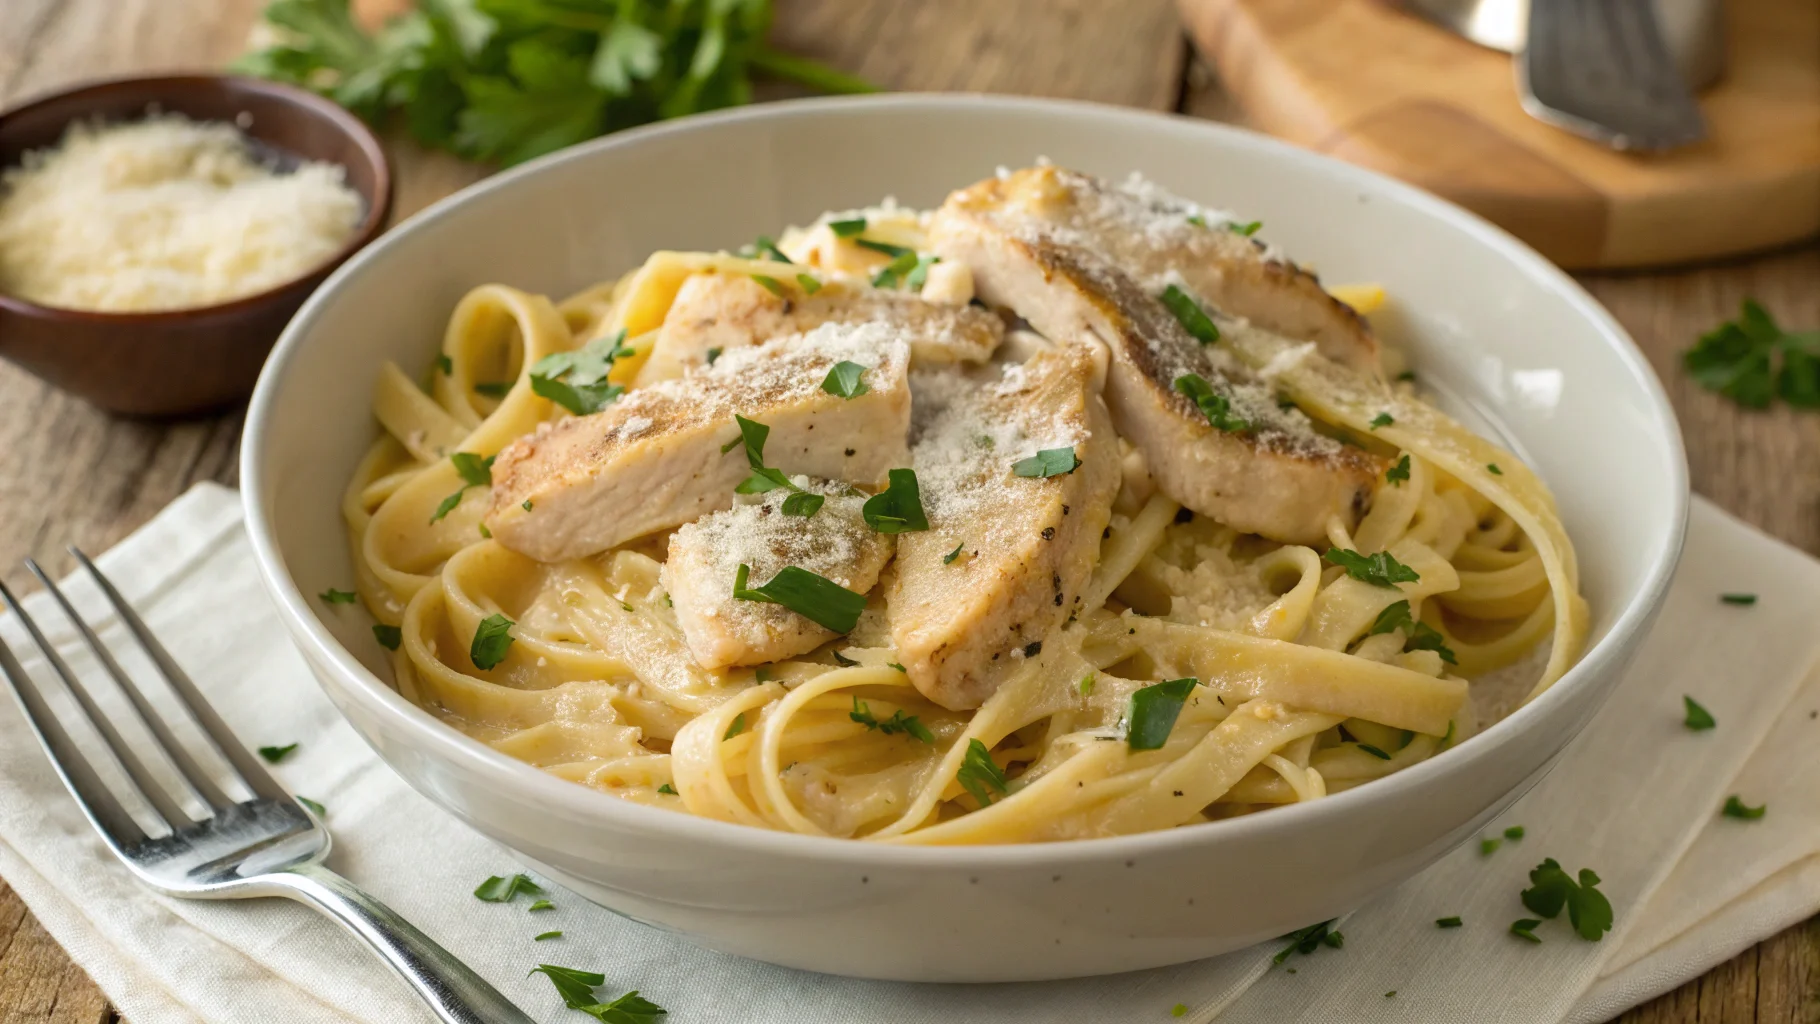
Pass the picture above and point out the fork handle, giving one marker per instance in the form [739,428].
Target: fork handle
[456,993]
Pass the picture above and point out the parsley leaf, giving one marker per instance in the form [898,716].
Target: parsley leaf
[896,724]
[1588,910]
[475,471]
[540,906]
[767,248]
[667,788]
[273,755]
[546,935]
[1382,419]
[501,890]
[577,990]
[1745,600]
[816,598]
[1447,922]
[1247,229]
[1492,468]
[1550,889]
[1048,462]
[445,364]
[1514,833]
[1190,315]
[1421,636]
[447,506]
[1752,361]
[1217,408]
[1398,473]
[847,228]
[844,380]
[764,478]
[492,640]
[333,596]
[1306,940]
[899,507]
[321,811]
[577,380]
[1152,713]
[948,559]
[1525,928]
[389,637]
[738,726]
[1698,718]
[1735,808]
[804,504]
[1374,751]
[896,252]
[892,274]
[493,389]
[809,283]
[980,775]
[772,285]
[1380,569]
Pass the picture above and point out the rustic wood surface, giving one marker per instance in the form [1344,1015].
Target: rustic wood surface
[73,475]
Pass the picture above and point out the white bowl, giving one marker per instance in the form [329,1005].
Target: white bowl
[1484,315]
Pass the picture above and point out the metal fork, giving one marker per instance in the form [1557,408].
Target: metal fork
[268,845]
[1599,68]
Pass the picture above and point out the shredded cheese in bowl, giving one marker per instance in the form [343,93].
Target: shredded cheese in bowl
[164,213]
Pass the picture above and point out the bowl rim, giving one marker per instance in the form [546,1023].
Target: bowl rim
[563,798]
[372,222]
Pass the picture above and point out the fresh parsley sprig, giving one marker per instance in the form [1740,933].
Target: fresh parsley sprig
[509,80]
[899,507]
[1753,361]
[1421,636]
[1552,888]
[980,775]
[577,380]
[908,725]
[816,598]
[1380,569]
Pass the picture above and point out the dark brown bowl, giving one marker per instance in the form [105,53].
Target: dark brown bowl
[186,360]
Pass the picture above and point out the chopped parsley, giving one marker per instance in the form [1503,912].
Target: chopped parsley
[1179,1009]
[738,726]
[809,283]
[895,665]
[273,755]
[577,380]
[1492,468]
[843,660]
[764,246]
[1374,751]
[1407,376]
[321,811]
[713,354]
[1247,229]
[1217,408]
[764,478]
[899,507]
[474,471]
[447,506]
[1735,808]
[668,789]
[980,774]
[1745,600]
[1421,636]
[389,637]
[1382,419]
[577,990]
[1048,462]
[892,274]
[1398,473]
[804,504]
[1514,833]
[1698,718]
[847,228]
[546,935]
[491,641]
[897,724]
[1380,569]
[948,559]
[1153,711]
[1552,888]
[493,388]
[896,252]
[844,380]
[1752,361]
[1085,686]
[527,505]
[333,596]
[1489,846]
[1448,922]
[501,890]
[919,274]
[1525,928]
[772,285]
[1190,315]
[486,533]
[445,364]
[816,598]
[1305,941]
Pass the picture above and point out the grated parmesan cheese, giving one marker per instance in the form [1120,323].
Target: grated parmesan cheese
[165,213]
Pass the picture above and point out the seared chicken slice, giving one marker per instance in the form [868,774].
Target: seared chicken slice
[705,557]
[658,457]
[1006,555]
[1153,235]
[717,312]
[1236,454]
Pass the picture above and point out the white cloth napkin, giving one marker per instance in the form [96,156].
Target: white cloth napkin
[1636,798]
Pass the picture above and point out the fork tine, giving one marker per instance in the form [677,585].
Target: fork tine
[251,772]
[148,786]
[199,782]
[98,804]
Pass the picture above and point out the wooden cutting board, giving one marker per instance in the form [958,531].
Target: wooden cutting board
[1360,80]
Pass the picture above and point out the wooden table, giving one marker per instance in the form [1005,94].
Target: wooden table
[74,475]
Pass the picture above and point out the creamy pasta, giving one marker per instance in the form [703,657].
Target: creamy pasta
[1187,669]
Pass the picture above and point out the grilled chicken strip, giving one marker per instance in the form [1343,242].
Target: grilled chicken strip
[1040,243]
[718,312]
[1006,555]
[657,458]
[705,557]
